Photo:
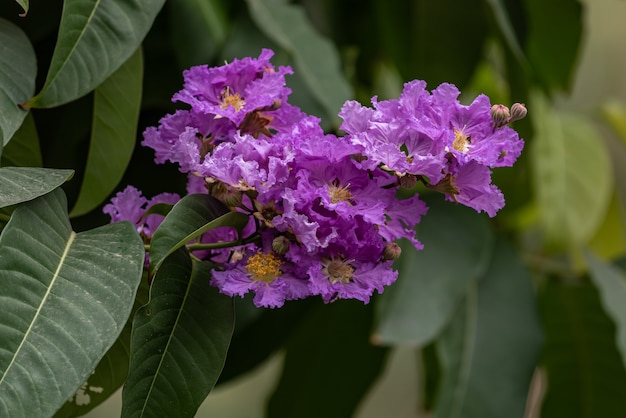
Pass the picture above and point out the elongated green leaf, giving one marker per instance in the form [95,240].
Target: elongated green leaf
[586,376]
[113,133]
[66,298]
[18,68]
[179,342]
[20,184]
[192,216]
[458,244]
[554,37]
[408,29]
[615,115]
[611,282]
[267,334]
[329,365]
[491,349]
[572,175]
[315,57]
[25,5]
[23,150]
[199,28]
[112,371]
[503,22]
[95,38]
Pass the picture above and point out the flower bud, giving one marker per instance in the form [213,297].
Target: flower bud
[280,245]
[408,181]
[518,111]
[500,115]
[391,251]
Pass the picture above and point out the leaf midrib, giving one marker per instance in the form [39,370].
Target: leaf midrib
[169,341]
[41,305]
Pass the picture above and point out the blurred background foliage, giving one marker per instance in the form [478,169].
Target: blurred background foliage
[523,314]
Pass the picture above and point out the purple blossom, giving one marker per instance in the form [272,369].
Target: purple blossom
[235,89]
[130,205]
[323,210]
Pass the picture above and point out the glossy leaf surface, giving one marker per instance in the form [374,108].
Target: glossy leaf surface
[179,343]
[66,297]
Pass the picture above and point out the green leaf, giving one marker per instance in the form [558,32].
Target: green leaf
[179,342]
[585,373]
[112,371]
[66,298]
[554,35]
[329,364]
[611,282]
[408,29]
[267,334]
[95,38]
[20,184]
[505,26]
[458,243]
[25,5]
[614,113]
[23,150]
[192,216]
[113,133]
[572,175]
[199,28]
[315,57]
[491,348]
[18,68]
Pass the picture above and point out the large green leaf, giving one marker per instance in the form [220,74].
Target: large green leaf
[329,364]
[408,29]
[458,244]
[112,371]
[113,133]
[505,26]
[65,298]
[572,175]
[189,218]
[585,374]
[23,150]
[315,57]
[615,115]
[179,341]
[491,349]
[20,184]
[199,28]
[18,68]
[611,282]
[553,43]
[95,38]
[267,334]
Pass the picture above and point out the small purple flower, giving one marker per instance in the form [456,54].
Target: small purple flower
[473,188]
[265,273]
[233,90]
[130,205]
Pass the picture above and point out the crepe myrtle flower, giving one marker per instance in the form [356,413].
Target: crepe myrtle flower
[130,205]
[324,212]
[236,90]
[260,269]
[431,136]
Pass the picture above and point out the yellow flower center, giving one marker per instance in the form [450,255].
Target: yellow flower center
[264,267]
[337,270]
[461,141]
[233,100]
[337,193]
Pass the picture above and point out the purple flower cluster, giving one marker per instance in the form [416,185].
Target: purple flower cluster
[324,211]
[448,146]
